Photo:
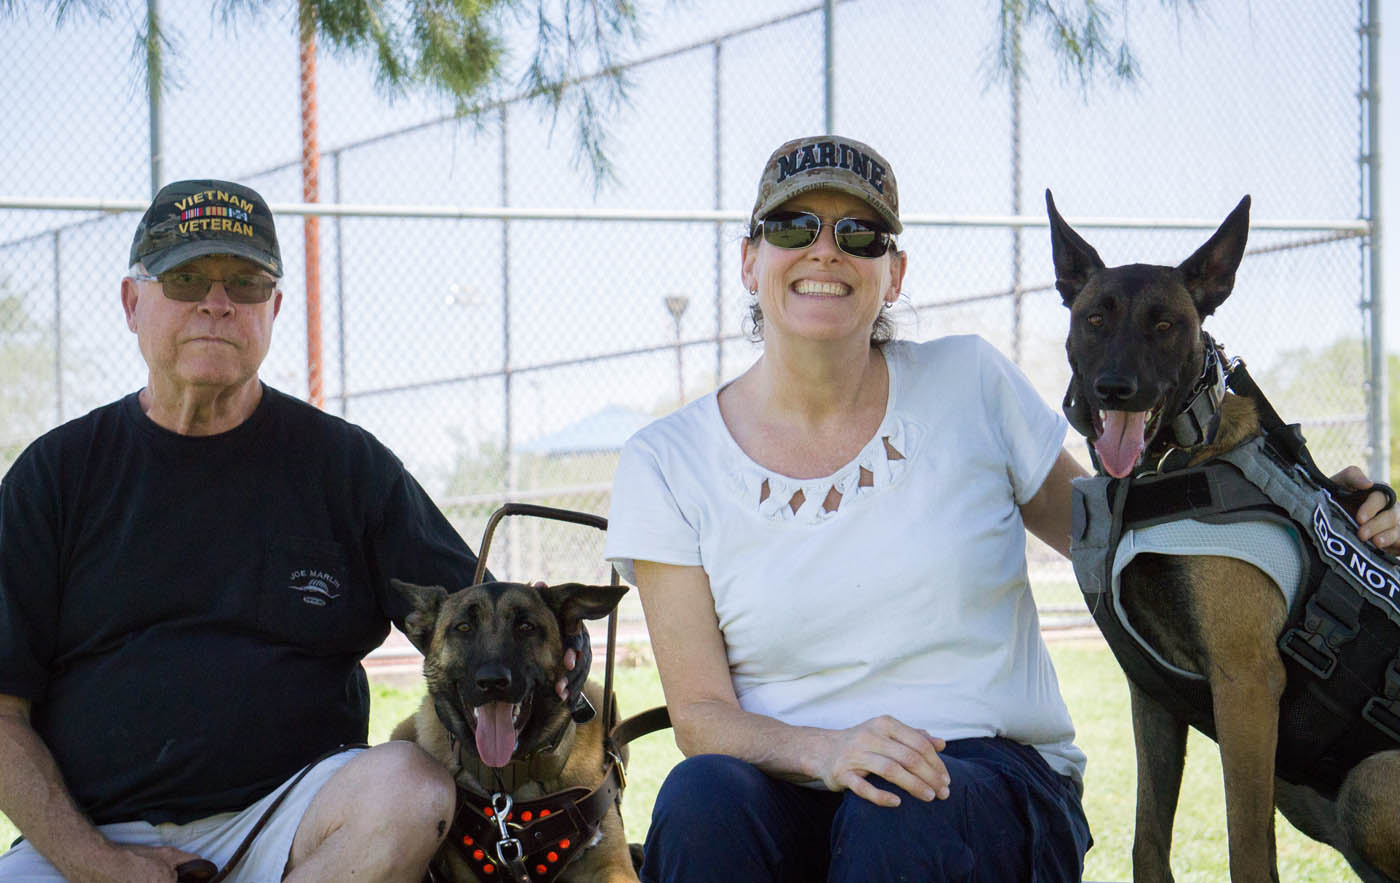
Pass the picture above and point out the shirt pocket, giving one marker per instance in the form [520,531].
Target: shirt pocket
[308,598]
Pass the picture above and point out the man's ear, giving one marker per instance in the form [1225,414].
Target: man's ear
[129,296]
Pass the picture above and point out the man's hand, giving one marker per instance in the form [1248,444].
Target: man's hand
[578,659]
[1381,527]
[138,864]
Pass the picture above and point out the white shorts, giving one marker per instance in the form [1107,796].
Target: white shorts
[215,838]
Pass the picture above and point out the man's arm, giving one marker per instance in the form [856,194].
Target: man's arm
[34,797]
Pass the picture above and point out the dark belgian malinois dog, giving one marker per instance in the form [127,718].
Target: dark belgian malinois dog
[531,781]
[1137,352]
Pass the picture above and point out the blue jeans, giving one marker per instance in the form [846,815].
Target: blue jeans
[1008,817]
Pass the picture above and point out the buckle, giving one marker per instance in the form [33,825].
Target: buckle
[621,772]
[1383,716]
[1309,650]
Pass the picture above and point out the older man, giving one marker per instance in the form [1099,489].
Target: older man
[189,578]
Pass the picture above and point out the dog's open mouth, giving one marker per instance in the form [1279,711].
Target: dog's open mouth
[496,726]
[1123,436]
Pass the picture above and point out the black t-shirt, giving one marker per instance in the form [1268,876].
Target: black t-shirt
[187,615]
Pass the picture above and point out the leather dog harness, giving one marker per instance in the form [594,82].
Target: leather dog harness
[534,840]
[1341,640]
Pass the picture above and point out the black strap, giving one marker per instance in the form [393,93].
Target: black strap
[1383,711]
[1287,438]
[1331,618]
[204,871]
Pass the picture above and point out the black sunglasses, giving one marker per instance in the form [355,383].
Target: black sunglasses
[858,238]
[245,288]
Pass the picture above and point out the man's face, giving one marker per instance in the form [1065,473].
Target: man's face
[213,343]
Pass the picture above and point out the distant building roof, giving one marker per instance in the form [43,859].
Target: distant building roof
[598,433]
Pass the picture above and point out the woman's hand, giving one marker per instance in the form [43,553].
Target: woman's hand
[1380,528]
[896,752]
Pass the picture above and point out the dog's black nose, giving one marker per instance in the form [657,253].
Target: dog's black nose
[1114,388]
[493,679]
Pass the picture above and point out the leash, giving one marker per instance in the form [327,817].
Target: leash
[1288,439]
[205,871]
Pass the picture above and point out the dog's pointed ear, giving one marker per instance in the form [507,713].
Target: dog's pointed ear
[423,603]
[1075,259]
[574,602]
[1210,272]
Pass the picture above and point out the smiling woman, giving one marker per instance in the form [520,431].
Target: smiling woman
[830,551]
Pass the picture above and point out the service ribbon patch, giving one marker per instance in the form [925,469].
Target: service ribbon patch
[1376,577]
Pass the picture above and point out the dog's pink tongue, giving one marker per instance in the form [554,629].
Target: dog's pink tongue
[495,733]
[1121,442]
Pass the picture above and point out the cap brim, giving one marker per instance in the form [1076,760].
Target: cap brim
[188,251]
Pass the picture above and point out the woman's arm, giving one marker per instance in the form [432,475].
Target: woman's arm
[1047,514]
[707,719]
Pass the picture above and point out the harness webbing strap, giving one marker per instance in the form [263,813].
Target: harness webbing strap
[1331,617]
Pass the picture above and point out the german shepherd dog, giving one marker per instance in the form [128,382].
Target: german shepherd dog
[492,655]
[1136,349]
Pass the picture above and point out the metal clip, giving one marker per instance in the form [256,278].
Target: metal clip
[501,805]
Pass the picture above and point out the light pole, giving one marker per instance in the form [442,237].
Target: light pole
[676,304]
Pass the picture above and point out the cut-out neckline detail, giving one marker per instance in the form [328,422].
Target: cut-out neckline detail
[832,501]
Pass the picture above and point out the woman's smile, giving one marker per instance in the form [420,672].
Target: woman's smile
[821,289]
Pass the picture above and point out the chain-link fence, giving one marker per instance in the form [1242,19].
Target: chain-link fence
[507,349]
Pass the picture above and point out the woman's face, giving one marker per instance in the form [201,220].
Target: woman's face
[820,293]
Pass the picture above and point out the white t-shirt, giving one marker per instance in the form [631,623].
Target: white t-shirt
[911,598]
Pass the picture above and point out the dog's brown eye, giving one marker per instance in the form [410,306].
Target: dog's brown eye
[1095,320]
[525,626]
[1163,327]
[462,627]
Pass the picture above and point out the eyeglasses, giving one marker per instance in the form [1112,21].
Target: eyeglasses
[855,237]
[189,287]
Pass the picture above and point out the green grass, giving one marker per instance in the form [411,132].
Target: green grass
[1097,696]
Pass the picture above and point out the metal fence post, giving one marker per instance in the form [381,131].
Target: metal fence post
[154,76]
[1379,394]
[57,328]
[828,47]
[1016,231]
[340,289]
[512,479]
[719,225]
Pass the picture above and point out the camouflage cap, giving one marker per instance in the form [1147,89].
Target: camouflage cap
[190,219]
[828,162]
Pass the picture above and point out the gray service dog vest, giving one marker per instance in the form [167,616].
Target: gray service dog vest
[1341,641]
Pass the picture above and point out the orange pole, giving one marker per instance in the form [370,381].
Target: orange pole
[310,191]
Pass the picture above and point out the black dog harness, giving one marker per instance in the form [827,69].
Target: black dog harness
[1341,640]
